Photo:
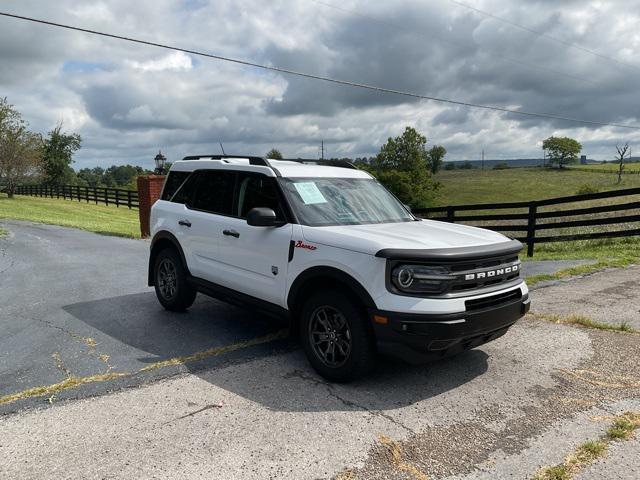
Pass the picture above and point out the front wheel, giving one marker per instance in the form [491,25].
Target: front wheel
[172,288]
[336,337]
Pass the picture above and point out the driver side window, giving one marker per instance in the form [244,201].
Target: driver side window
[257,191]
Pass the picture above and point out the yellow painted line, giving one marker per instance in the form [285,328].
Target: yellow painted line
[73,382]
[214,352]
[67,384]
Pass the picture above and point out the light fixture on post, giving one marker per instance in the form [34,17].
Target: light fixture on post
[161,161]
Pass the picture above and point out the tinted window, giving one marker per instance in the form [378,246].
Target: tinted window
[256,191]
[172,183]
[185,192]
[214,191]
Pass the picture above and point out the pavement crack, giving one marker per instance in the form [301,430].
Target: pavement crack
[191,414]
[346,402]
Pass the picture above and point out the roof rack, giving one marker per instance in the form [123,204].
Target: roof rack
[252,159]
[328,163]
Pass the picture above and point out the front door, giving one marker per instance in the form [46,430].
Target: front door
[254,260]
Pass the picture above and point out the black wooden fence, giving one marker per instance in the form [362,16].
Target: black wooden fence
[523,217]
[108,196]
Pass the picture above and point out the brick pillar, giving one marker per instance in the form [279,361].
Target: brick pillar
[149,190]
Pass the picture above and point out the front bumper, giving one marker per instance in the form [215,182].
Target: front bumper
[417,338]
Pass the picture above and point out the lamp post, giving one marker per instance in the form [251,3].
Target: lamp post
[161,161]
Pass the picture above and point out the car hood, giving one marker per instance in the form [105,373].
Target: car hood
[418,235]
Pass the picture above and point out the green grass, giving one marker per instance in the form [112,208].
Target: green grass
[623,426]
[108,220]
[628,167]
[459,187]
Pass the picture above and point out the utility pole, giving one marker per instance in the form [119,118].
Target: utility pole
[322,149]
[483,159]
[544,157]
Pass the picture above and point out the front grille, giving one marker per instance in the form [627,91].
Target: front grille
[468,275]
[493,300]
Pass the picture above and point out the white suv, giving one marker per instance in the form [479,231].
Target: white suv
[331,250]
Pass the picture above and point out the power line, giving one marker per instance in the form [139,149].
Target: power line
[322,78]
[543,34]
[403,28]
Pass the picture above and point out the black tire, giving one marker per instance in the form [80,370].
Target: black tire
[170,279]
[345,323]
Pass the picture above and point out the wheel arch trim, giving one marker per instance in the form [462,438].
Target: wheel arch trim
[159,239]
[330,273]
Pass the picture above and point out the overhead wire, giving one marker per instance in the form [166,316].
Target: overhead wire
[320,77]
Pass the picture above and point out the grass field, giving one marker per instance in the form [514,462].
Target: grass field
[628,167]
[459,187]
[94,218]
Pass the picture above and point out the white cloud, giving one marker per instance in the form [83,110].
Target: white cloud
[173,62]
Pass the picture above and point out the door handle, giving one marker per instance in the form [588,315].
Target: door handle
[231,233]
[184,223]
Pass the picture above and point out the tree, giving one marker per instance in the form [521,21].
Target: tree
[622,151]
[562,150]
[435,158]
[402,167]
[20,149]
[275,154]
[59,148]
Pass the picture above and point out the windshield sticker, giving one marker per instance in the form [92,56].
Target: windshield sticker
[310,193]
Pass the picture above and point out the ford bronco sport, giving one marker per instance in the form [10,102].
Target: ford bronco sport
[331,250]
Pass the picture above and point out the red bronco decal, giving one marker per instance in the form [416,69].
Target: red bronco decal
[300,244]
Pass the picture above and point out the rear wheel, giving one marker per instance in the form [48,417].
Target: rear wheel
[172,288]
[336,337]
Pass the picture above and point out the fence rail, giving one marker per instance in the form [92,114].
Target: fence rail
[528,229]
[108,196]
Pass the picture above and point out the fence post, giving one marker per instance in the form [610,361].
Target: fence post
[531,228]
[86,194]
[129,199]
[451,214]
[95,194]
[117,199]
[78,191]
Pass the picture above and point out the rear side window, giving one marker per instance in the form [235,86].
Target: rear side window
[172,184]
[257,191]
[214,191]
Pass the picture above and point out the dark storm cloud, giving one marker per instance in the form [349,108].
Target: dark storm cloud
[127,100]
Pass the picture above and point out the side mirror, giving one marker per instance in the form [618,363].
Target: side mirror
[263,217]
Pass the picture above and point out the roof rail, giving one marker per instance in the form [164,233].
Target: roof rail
[252,159]
[328,163]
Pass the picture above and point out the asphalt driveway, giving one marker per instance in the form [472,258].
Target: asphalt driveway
[222,393]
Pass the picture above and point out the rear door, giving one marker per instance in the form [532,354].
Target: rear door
[205,214]
[254,260]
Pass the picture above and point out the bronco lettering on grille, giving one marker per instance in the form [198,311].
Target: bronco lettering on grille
[498,272]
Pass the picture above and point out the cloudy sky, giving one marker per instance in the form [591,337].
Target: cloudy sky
[128,100]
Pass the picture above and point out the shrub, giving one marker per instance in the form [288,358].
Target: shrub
[501,166]
[586,189]
[449,166]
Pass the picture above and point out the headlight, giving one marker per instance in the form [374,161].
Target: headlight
[420,278]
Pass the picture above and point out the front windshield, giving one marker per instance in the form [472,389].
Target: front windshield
[343,201]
